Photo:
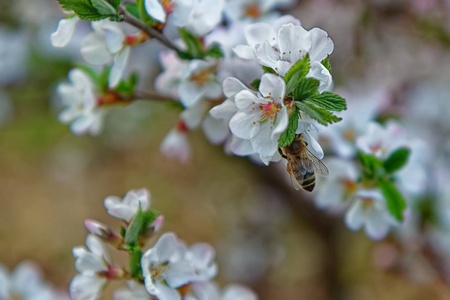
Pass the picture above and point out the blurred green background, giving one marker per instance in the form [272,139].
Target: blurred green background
[266,234]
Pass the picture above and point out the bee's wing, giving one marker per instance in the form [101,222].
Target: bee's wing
[295,183]
[319,167]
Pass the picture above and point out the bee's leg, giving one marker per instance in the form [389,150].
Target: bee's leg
[282,154]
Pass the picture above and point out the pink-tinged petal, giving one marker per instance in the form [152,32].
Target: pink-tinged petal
[179,273]
[267,56]
[176,146]
[94,50]
[273,86]
[319,72]
[259,33]
[321,45]
[294,42]
[155,10]
[194,115]
[245,51]
[231,86]
[216,131]
[244,125]
[241,147]
[238,292]
[63,34]
[224,111]
[118,67]
[354,218]
[377,225]
[86,287]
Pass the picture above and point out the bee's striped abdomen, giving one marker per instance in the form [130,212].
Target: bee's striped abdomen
[309,181]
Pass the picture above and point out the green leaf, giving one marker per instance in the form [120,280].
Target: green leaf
[307,87]
[139,223]
[288,136]
[296,73]
[133,9]
[319,114]
[396,160]
[115,3]
[326,64]
[104,7]
[215,51]
[329,101]
[372,166]
[135,264]
[193,44]
[395,201]
[84,9]
[143,15]
[255,84]
[268,70]
[127,87]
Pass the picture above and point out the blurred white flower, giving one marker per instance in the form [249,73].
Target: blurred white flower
[80,104]
[236,10]
[128,207]
[339,185]
[176,144]
[14,47]
[197,16]
[369,210]
[64,32]
[261,118]
[381,141]
[169,79]
[106,44]
[201,256]
[26,283]
[165,269]
[280,47]
[199,82]
[92,265]
[210,291]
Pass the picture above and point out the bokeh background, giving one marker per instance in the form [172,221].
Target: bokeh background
[267,235]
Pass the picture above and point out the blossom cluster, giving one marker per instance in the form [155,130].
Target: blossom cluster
[169,270]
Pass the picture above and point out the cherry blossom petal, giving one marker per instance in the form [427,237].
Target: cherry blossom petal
[155,10]
[321,45]
[64,32]
[118,67]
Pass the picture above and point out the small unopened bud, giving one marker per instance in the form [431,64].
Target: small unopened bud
[152,229]
[103,232]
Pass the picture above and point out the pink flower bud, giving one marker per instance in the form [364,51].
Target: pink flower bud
[103,232]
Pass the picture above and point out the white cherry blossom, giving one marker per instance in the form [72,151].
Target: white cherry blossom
[175,144]
[199,82]
[91,263]
[280,47]
[128,207]
[369,210]
[64,32]
[106,44]
[157,9]
[197,16]
[79,98]
[201,256]
[210,291]
[261,118]
[165,269]
[167,82]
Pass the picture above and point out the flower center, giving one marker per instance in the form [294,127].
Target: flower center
[269,111]
[349,135]
[157,271]
[201,77]
[167,5]
[367,202]
[349,185]
[253,11]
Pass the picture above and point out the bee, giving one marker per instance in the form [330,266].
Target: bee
[302,165]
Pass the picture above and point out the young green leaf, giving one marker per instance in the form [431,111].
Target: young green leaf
[326,64]
[296,73]
[268,70]
[140,222]
[396,160]
[255,84]
[372,166]
[193,43]
[133,9]
[329,101]
[319,114]
[104,7]
[115,3]
[395,202]
[84,9]
[143,15]
[215,51]
[306,87]
[288,135]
